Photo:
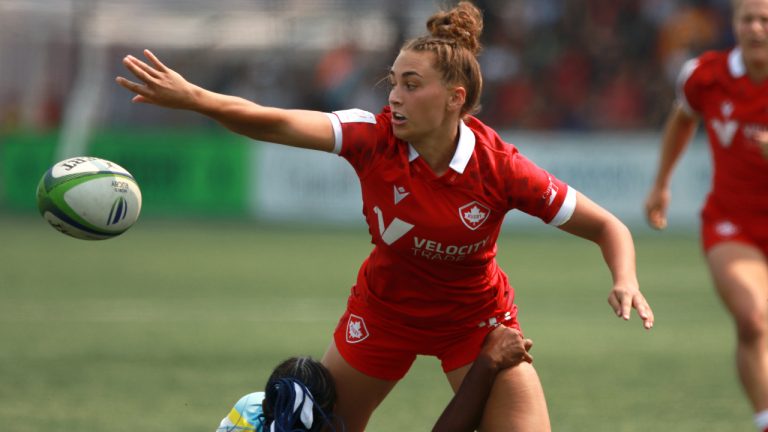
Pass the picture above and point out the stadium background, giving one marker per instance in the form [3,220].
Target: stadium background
[245,251]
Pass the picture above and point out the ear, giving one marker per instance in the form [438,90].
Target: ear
[456,98]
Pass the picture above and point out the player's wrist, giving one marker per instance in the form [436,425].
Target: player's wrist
[488,362]
[662,183]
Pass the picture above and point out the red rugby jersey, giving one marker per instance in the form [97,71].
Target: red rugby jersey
[435,237]
[716,88]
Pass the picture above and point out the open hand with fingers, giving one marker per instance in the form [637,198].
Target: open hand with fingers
[158,84]
[624,297]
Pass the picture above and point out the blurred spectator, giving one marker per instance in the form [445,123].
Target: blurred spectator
[337,75]
[549,64]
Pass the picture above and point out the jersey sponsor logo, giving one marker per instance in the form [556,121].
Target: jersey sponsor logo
[400,193]
[355,116]
[396,229]
[437,251]
[356,329]
[474,214]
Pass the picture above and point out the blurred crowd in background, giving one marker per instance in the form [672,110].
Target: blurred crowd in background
[576,65]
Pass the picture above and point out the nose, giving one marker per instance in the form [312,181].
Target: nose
[757,25]
[394,97]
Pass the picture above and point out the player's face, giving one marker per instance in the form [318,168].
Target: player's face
[750,23]
[418,98]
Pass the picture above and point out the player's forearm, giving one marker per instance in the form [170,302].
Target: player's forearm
[618,250]
[237,114]
[594,223]
[464,412]
[297,128]
[678,132]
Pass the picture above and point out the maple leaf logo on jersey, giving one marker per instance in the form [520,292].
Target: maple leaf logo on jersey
[356,329]
[474,214]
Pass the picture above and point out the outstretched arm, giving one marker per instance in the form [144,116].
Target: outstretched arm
[159,85]
[677,134]
[503,348]
[592,222]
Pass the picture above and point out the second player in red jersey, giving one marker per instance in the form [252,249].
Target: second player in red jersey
[727,91]
[716,88]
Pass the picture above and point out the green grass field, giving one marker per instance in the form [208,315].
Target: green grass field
[164,328]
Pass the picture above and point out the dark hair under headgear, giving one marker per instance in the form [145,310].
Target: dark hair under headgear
[299,397]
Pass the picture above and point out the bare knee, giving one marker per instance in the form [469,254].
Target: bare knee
[752,327]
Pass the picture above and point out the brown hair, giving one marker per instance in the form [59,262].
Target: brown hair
[454,38]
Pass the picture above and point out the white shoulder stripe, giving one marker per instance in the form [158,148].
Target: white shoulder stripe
[566,210]
[355,115]
[685,72]
[736,63]
[336,124]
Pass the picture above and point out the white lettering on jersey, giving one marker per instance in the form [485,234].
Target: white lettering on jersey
[355,116]
[394,231]
[434,250]
[724,130]
[400,193]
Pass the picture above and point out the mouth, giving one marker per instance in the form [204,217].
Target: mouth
[756,42]
[398,118]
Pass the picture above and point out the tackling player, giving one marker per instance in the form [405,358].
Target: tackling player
[436,185]
[727,91]
[300,393]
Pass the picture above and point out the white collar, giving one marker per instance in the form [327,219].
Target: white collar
[736,63]
[463,150]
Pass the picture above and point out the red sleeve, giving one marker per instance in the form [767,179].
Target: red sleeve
[535,191]
[695,75]
[360,137]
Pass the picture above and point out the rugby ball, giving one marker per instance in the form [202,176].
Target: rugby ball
[89,198]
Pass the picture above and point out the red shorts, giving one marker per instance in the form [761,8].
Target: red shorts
[386,349]
[717,227]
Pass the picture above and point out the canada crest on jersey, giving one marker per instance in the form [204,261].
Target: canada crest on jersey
[474,214]
[356,329]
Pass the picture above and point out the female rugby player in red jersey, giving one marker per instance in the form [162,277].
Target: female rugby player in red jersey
[728,91]
[436,184]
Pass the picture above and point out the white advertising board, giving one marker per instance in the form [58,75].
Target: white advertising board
[614,170]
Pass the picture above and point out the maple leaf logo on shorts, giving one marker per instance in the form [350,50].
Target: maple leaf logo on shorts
[356,329]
